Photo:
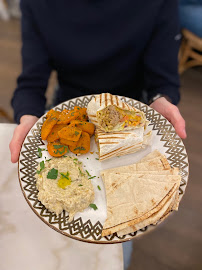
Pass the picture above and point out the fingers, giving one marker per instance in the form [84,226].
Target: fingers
[26,122]
[16,142]
[172,113]
[178,122]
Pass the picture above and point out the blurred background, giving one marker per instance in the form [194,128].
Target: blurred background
[177,242]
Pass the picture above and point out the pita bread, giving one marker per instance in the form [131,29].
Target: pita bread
[175,203]
[173,171]
[156,217]
[139,194]
[150,220]
[158,177]
[173,207]
[121,226]
[170,208]
[125,183]
[156,164]
[152,155]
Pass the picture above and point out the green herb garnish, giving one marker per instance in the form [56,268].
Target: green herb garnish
[59,147]
[88,173]
[82,174]
[65,175]
[80,185]
[75,160]
[42,166]
[97,158]
[92,177]
[60,152]
[99,187]
[52,174]
[76,133]
[39,152]
[79,148]
[94,206]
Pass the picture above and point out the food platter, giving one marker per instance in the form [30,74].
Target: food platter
[87,225]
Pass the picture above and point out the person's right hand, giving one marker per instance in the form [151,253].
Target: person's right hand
[20,132]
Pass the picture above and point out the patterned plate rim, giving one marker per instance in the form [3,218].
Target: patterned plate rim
[135,103]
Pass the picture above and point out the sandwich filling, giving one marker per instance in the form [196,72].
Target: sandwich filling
[112,118]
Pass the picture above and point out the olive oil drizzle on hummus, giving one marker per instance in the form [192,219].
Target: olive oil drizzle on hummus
[64,180]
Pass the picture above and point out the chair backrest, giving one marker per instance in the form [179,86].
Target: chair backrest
[4,117]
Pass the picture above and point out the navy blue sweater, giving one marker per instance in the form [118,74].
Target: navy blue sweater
[116,46]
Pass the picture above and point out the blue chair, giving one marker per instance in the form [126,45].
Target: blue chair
[190,12]
[190,55]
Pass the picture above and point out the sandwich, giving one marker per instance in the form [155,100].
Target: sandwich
[111,114]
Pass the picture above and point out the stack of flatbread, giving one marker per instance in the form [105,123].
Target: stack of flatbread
[140,194]
[120,128]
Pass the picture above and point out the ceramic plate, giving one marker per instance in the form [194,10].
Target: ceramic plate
[87,225]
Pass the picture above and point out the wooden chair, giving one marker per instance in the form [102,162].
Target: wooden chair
[190,54]
[4,117]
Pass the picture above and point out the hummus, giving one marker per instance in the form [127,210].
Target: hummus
[64,185]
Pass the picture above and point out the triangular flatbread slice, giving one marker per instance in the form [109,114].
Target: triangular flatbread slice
[130,197]
[173,171]
[150,220]
[156,164]
[120,226]
[153,154]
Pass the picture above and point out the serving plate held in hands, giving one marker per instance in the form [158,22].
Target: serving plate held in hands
[87,226]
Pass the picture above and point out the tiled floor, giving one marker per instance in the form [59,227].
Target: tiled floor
[177,243]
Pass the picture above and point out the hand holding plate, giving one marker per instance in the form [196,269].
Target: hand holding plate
[172,113]
[20,132]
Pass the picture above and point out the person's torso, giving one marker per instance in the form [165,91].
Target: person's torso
[97,45]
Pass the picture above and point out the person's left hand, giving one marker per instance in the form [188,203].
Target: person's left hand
[172,113]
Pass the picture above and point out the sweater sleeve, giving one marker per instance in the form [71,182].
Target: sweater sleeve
[29,96]
[161,54]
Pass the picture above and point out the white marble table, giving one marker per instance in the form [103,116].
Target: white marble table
[27,243]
